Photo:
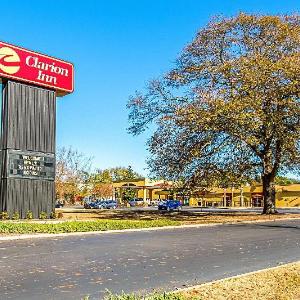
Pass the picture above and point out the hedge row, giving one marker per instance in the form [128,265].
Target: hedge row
[80,226]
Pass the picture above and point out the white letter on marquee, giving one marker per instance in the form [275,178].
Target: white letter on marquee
[28,58]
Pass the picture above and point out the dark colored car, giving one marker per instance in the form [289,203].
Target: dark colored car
[90,204]
[169,205]
[59,204]
[110,204]
[87,205]
[99,204]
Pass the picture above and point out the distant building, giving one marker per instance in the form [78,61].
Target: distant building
[246,196]
[143,188]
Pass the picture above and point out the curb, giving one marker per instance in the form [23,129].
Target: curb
[191,288]
[52,235]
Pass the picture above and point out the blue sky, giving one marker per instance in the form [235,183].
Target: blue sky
[116,47]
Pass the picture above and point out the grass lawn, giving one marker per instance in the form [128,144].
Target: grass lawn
[101,220]
[282,283]
[28,227]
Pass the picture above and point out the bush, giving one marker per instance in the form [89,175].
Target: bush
[29,215]
[53,215]
[16,216]
[4,215]
[43,215]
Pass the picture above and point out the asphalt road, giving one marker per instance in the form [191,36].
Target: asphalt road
[72,267]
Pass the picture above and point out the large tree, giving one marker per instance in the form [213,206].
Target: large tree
[115,174]
[229,109]
[72,173]
[102,190]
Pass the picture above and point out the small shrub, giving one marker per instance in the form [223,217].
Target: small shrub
[16,216]
[4,215]
[53,215]
[29,215]
[43,215]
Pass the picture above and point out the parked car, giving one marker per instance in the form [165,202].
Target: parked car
[110,204]
[90,204]
[154,202]
[136,202]
[86,205]
[170,205]
[58,204]
[99,204]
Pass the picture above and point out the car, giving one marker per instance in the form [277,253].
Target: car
[154,202]
[170,205]
[110,204]
[99,204]
[86,205]
[90,204]
[136,202]
[59,204]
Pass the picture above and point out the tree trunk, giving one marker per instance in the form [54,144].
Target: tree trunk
[269,194]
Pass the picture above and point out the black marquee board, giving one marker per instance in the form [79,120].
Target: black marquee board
[31,165]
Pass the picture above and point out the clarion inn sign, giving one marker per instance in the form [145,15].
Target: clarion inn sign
[35,68]
[29,85]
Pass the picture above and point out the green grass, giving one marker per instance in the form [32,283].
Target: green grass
[80,226]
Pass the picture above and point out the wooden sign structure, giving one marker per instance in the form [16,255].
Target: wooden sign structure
[29,85]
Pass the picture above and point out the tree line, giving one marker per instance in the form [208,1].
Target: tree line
[75,178]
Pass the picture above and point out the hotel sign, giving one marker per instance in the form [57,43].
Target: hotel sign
[35,68]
